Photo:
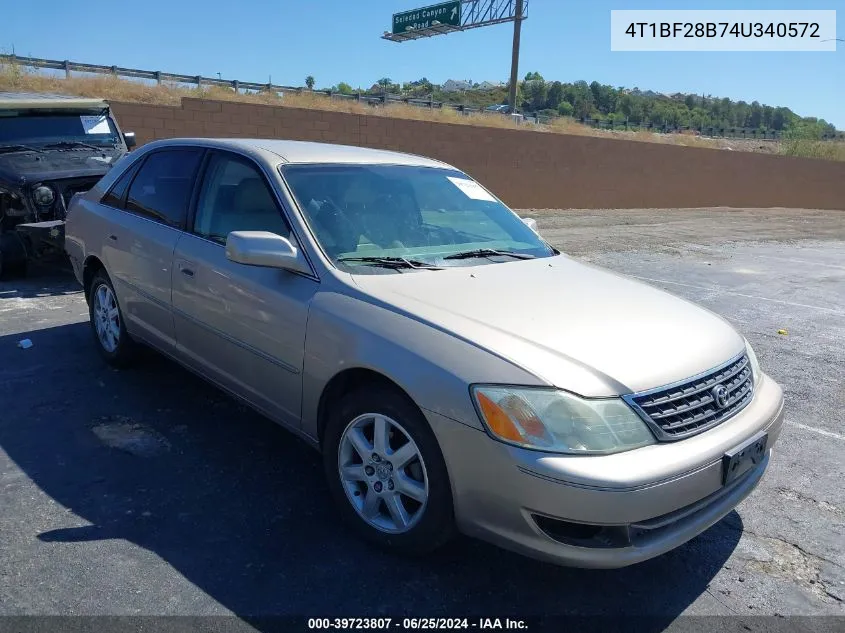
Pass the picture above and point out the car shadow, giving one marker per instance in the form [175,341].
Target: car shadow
[238,506]
[42,279]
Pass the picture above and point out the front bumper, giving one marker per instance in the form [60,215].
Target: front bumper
[608,511]
[44,236]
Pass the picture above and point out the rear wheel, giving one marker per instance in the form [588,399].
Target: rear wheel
[107,325]
[386,471]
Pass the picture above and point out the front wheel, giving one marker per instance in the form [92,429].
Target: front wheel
[387,473]
[107,325]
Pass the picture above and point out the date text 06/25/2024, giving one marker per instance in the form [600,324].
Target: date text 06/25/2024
[414,624]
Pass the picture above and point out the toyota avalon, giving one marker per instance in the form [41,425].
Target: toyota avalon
[455,370]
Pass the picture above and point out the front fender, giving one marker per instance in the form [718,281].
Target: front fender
[434,367]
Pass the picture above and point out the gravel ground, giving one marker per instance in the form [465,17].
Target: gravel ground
[149,492]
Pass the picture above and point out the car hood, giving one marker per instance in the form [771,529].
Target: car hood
[22,168]
[573,325]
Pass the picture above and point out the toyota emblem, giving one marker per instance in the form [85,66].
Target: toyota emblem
[720,396]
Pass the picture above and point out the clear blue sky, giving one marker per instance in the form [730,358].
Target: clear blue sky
[338,40]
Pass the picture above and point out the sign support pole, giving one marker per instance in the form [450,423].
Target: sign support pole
[517,30]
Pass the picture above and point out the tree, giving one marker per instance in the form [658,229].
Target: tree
[809,128]
[604,97]
[617,104]
[626,105]
[581,98]
[309,82]
[421,86]
[555,95]
[536,93]
[768,113]
[779,118]
[755,118]
[741,113]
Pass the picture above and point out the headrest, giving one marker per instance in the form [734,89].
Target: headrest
[252,195]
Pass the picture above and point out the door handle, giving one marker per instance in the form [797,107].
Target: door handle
[113,238]
[187,272]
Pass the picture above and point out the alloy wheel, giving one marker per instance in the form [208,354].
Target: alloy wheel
[106,318]
[382,471]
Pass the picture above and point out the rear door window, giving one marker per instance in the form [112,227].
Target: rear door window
[162,189]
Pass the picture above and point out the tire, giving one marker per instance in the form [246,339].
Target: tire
[430,522]
[107,324]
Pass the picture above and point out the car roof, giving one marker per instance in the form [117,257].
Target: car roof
[47,101]
[310,152]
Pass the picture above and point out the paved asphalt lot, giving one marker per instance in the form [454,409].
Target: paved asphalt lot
[149,492]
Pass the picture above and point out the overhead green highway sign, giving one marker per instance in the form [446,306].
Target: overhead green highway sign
[447,13]
[456,16]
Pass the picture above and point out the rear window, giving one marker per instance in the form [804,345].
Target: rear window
[162,188]
[114,198]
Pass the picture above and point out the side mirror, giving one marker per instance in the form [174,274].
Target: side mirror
[129,139]
[532,224]
[261,248]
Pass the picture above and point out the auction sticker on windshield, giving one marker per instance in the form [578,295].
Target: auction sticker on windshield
[472,189]
[95,124]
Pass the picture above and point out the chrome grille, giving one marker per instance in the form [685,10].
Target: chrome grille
[688,408]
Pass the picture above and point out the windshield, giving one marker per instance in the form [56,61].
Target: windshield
[45,129]
[426,215]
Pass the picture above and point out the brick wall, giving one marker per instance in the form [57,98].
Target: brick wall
[526,169]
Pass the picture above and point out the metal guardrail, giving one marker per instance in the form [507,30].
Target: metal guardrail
[234,84]
[381,99]
[716,131]
[153,75]
[703,130]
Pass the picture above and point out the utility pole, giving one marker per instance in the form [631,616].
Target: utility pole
[517,30]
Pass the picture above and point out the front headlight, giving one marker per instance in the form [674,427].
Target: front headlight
[559,422]
[43,196]
[755,364]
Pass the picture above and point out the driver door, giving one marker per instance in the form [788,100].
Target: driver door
[242,326]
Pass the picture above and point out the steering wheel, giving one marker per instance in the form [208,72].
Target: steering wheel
[338,225]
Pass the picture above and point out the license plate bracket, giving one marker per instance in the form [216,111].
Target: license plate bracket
[738,461]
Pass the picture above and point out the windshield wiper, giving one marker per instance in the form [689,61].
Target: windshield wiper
[74,144]
[488,252]
[5,149]
[391,262]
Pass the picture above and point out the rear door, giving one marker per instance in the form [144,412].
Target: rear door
[243,326]
[138,248]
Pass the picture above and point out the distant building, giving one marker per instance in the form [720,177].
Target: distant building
[456,85]
[490,85]
[645,93]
